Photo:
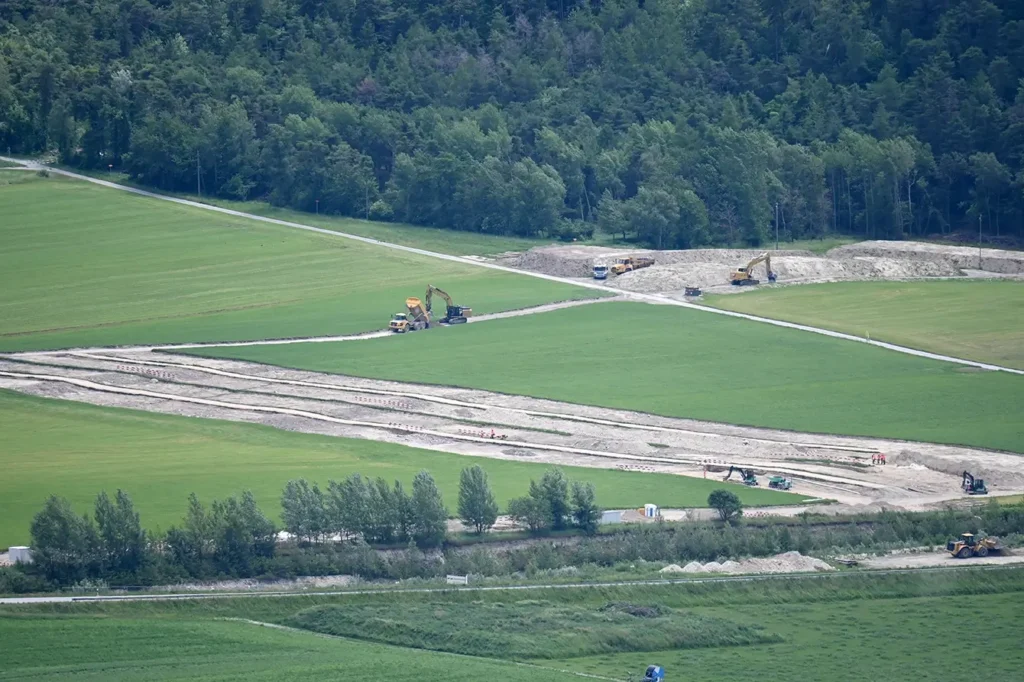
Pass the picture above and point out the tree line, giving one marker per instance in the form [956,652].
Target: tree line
[119,541]
[671,124]
[234,537]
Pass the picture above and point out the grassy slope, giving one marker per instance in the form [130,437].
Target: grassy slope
[692,364]
[978,320]
[908,639]
[171,649]
[84,265]
[452,242]
[75,450]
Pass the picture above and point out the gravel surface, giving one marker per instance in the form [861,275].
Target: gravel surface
[526,429]
[788,562]
[709,268]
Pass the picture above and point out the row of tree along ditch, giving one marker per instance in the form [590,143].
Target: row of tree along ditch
[331,534]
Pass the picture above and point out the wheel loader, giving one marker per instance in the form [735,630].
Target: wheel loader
[968,546]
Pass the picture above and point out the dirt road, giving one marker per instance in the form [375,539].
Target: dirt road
[939,559]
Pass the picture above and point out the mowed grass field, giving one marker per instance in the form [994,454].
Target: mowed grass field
[83,265]
[76,450]
[974,319]
[915,627]
[130,649]
[903,639]
[687,363]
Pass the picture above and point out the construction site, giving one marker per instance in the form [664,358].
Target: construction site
[858,474]
[672,272]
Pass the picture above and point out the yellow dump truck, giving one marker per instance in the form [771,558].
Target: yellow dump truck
[415,318]
[631,263]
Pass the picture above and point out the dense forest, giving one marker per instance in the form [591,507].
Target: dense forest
[675,123]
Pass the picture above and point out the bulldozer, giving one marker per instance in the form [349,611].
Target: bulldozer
[972,485]
[415,318]
[454,314]
[968,546]
[747,474]
[631,263]
[743,277]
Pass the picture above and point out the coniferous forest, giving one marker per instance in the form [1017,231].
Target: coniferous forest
[675,123]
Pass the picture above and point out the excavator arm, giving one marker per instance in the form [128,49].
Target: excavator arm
[454,314]
[431,290]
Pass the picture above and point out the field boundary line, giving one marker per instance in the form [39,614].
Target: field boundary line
[649,298]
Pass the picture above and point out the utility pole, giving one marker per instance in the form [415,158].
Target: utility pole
[979,240]
[199,192]
[776,226]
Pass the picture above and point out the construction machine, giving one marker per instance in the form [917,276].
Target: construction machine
[654,673]
[600,271]
[743,277]
[747,474]
[968,546]
[972,485]
[631,263]
[780,483]
[454,314]
[415,318]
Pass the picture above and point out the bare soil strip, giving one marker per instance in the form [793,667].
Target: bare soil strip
[462,421]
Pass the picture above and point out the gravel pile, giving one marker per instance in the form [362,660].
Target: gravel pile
[790,269]
[788,562]
[992,260]
[705,268]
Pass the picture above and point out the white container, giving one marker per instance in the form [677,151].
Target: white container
[20,555]
[611,516]
[651,511]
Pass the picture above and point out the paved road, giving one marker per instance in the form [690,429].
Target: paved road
[648,298]
[15,601]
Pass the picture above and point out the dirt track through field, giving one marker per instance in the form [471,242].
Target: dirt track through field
[645,297]
[526,429]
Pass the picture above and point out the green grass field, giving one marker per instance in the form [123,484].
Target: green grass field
[687,363]
[531,628]
[908,639]
[83,265]
[76,450]
[977,320]
[83,648]
[839,628]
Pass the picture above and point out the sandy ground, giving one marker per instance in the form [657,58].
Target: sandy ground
[918,476]
[787,562]
[938,558]
[709,269]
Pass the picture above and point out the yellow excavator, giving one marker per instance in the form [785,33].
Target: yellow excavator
[454,314]
[742,276]
[415,318]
